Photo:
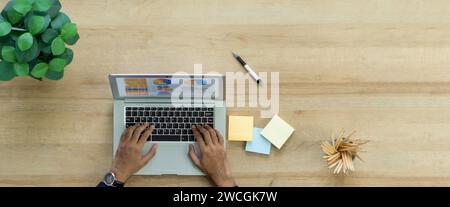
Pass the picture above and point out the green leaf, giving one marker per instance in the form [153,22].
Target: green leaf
[47,50]
[5,28]
[25,41]
[37,24]
[21,69]
[15,35]
[9,54]
[39,70]
[73,40]
[29,55]
[59,21]
[7,41]
[6,71]
[14,16]
[42,5]
[22,6]
[68,31]
[54,9]
[49,35]
[52,75]
[34,62]
[67,56]
[57,65]
[58,46]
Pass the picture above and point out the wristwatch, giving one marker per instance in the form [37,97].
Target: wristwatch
[111,180]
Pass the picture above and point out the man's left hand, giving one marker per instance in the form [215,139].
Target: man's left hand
[128,159]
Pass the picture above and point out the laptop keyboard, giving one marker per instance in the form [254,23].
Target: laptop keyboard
[172,124]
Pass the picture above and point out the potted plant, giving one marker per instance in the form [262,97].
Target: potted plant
[33,39]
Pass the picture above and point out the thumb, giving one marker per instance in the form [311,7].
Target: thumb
[194,156]
[150,154]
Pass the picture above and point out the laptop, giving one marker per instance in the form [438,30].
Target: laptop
[172,103]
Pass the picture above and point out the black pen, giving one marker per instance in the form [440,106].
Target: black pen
[247,67]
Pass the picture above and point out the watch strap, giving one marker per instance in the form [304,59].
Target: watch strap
[118,184]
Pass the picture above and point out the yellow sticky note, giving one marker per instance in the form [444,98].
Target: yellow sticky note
[240,128]
[277,131]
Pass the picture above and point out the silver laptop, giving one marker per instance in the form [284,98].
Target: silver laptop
[172,103]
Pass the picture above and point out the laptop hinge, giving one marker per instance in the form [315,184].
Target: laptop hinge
[141,100]
[165,100]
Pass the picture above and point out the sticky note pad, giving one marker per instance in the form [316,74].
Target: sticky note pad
[259,144]
[277,131]
[240,128]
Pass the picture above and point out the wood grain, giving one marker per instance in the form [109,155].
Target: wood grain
[379,67]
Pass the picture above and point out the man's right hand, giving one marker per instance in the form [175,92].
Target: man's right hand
[213,160]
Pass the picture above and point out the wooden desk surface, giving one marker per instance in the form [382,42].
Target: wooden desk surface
[380,67]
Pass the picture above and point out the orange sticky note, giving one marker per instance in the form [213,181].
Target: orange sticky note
[240,128]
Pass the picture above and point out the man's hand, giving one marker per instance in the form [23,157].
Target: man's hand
[128,159]
[213,160]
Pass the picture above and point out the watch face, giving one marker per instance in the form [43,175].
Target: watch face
[109,179]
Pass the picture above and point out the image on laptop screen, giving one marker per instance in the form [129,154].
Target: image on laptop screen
[164,86]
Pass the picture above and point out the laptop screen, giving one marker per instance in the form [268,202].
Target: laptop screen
[166,86]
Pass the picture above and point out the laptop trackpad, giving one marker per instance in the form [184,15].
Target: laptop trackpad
[170,158]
